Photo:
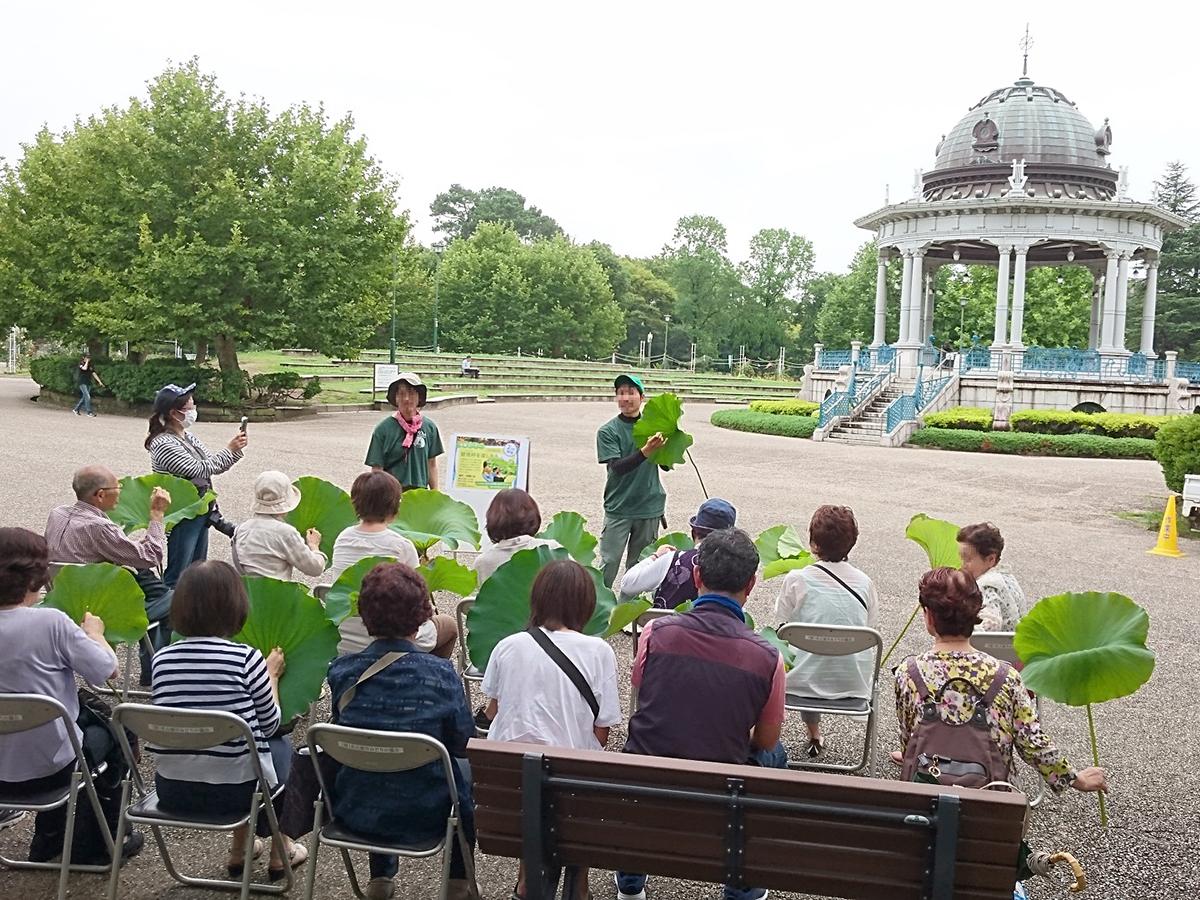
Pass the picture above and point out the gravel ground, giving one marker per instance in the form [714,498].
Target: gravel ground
[1056,515]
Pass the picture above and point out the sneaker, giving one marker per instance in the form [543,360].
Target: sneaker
[482,722]
[134,842]
[816,746]
[380,889]
[77,412]
[91,415]
[9,817]
[621,879]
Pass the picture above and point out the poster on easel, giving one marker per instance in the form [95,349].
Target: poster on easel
[481,465]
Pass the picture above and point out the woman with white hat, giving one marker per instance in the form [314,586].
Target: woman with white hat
[265,544]
[407,444]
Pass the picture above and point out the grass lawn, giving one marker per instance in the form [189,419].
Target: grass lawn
[1151,520]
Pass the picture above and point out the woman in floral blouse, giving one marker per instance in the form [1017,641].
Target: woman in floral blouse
[980,547]
[951,602]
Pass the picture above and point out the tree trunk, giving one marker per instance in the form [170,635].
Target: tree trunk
[227,357]
[137,357]
[95,347]
[201,352]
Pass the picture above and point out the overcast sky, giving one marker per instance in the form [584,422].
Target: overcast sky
[618,118]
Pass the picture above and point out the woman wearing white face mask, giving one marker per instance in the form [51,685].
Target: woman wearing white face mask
[176,451]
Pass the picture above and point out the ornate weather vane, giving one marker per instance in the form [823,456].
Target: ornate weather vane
[1025,43]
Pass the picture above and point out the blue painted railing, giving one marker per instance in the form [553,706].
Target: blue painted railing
[1188,370]
[1160,369]
[833,359]
[975,358]
[1061,359]
[863,390]
[836,404]
[900,410]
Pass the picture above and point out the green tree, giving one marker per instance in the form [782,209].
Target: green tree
[193,216]
[644,300]
[848,311]
[775,277]
[696,265]
[459,211]
[497,294]
[1177,319]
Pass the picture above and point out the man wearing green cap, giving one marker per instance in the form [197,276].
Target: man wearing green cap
[634,499]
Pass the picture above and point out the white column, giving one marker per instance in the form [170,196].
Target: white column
[927,324]
[1018,300]
[914,297]
[880,303]
[1094,324]
[1108,328]
[1000,337]
[1148,308]
[1122,301]
[905,296]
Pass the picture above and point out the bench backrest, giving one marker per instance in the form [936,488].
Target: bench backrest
[836,836]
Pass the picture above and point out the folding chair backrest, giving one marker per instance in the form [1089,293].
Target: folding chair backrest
[321,590]
[832,640]
[651,614]
[998,644]
[181,729]
[21,712]
[376,751]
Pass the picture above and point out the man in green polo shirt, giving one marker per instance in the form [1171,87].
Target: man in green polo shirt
[407,444]
[634,499]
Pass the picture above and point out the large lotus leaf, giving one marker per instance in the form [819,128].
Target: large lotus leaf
[780,550]
[132,511]
[341,600]
[445,574]
[623,614]
[677,539]
[284,614]
[786,650]
[570,530]
[323,506]
[1084,648]
[427,517]
[661,415]
[938,538]
[501,607]
[109,592]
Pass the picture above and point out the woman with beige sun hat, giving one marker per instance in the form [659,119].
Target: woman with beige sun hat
[265,544]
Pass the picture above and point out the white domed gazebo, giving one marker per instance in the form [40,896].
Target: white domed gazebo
[1023,179]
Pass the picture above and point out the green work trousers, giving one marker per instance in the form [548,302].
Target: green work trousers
[637,534]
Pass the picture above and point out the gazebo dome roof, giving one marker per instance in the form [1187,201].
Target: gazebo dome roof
[1064,154]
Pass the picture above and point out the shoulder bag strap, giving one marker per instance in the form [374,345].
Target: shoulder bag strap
[568,668]
[372,670]
[996,685]
[853,593]
[914,672]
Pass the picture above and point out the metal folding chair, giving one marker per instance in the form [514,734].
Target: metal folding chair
[638,624]
[471,674]
[999,644]
[381,752]
[188,729]
[22,712]
[837,640]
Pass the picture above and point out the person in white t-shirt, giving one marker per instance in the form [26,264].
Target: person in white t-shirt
[376,499]
[513,521]
[533,699]
[829,592]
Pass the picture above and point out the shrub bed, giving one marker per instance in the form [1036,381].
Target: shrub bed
[1082,445]
[1117,425]
[765,423]
[1177,449]
[969,418]
[785,407]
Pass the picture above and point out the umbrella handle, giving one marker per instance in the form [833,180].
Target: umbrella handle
[1076,870]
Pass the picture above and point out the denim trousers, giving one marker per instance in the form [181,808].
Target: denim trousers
[85,399]
[187,543]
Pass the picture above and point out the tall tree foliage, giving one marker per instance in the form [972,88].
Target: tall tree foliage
[1177,320]
[696,265]
[459,211]
[191,215]
[645,300]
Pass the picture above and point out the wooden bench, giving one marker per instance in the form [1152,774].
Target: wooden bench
[829,835]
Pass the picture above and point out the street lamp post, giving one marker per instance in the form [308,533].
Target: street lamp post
[666,343]
[437,284]
[962,315]
[395,274]
[649,348]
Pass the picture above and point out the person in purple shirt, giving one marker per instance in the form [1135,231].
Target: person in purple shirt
[43,652]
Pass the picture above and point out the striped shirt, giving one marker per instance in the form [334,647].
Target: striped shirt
[81,533]
[210,673]
[168,454]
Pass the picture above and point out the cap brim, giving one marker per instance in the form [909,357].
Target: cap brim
[629,380]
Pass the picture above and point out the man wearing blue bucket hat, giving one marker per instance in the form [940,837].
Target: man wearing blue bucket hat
[667,575]
[634,498]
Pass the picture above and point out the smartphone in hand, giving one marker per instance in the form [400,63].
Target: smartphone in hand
[242,427]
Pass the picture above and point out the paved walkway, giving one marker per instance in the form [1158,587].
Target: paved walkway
[1056,515]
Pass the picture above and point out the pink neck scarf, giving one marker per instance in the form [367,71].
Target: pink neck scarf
[410,428]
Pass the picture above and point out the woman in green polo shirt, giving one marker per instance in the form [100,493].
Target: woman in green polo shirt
[407,444]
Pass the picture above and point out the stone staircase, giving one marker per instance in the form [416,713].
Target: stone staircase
[869,426]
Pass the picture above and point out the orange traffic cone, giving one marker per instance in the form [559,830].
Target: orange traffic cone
[1168,536]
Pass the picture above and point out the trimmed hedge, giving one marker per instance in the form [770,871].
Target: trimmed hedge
[1177,449]
[1081,445]
[785,407]
[765,423]
[969,418]
[1117,425]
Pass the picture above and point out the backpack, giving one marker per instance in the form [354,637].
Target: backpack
[678,585]
[943,753]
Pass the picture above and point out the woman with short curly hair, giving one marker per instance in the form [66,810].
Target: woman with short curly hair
[980,547]
[950,601]
[416,692]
